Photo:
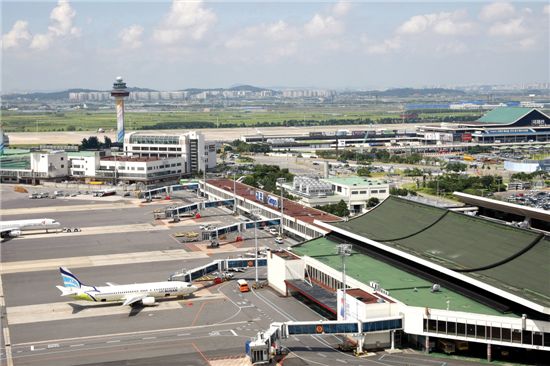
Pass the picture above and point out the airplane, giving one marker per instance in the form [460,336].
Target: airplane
[12,229]
[135,294]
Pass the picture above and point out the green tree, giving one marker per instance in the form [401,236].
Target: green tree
[373,201]
[363,172]
[456,167]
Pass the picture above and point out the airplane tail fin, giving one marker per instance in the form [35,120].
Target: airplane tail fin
[69,279]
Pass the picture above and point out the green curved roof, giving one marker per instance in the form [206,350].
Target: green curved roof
[518,259]
[504,115]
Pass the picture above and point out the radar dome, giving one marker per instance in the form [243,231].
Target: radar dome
[119,78]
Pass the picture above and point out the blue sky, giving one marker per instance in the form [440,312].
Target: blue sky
[170,45]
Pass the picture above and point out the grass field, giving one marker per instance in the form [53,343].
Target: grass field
[13,121]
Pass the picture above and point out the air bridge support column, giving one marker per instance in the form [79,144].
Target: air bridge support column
[489,353]
[392,336]
[360,344]
[427,345]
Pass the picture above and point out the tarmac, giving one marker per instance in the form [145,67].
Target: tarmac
[122,243]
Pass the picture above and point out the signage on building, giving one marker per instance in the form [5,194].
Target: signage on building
[538,122]
[273,201]
[260,196]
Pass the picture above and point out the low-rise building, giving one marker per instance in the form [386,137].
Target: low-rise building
[355,191]
[130,169]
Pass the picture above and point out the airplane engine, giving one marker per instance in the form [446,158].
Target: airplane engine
[148,301]
[14,233]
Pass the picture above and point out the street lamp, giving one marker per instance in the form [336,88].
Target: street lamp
[234,193]
[204,174]
[280,182]
[256,213]
[344,250]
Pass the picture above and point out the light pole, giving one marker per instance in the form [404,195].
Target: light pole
[280,181]
[234,193]
[256,212]
[344,250]
[204,174]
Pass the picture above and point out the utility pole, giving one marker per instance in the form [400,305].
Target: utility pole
[234,193]
[204,173]
[344,250]
[256,212]
[281,181]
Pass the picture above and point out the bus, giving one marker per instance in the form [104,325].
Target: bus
[243,285]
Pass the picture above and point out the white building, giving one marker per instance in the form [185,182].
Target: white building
[84,163]
[190,146]
[355,191]
[52,164]
[139,169]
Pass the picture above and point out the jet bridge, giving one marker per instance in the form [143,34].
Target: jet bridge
[218,265]
[266,345]
[177,211]
[168,190]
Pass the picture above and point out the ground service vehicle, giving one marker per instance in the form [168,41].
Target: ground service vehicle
[243,285]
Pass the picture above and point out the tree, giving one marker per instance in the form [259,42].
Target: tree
[373,201]
[456,167]
[363,172]
[107,142]
[339,209]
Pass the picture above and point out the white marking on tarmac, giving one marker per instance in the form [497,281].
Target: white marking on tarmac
[145,338]
[77,345]
[100,260]
[114,341]
[5,329]
[183,334]
[36,210]
[96,230]
[234,333]
[321,354]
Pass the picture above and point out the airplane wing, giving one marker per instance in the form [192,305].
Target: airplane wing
[133,298]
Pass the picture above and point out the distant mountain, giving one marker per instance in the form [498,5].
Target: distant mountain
[246,88]
[233,88]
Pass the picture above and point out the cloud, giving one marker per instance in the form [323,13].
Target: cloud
[513,27]
[546,10]
[19,32]
[384,47]
[131,36]
[61,25]
[527,43]
[185,20]
[439,23]
[322,26]
[497,11]
[279,31]
[341,8]
[453,48]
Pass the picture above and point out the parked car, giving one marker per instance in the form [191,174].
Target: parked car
[273,231]
[279,240]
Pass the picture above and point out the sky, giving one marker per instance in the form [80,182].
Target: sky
[174,45]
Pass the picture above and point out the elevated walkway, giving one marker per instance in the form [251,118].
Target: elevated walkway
[319,295]
[267,344]
[218,265]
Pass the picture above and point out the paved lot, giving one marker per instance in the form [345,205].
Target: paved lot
[116,245]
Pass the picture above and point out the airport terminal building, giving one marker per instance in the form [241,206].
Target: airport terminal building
[460,284]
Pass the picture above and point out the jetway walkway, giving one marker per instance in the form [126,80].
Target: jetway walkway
[181,210]
[218,265]
[238,228]
[268,344]
[168,190]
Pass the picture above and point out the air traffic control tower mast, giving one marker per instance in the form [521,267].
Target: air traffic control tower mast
[119,92]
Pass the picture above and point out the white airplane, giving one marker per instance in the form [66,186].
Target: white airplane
[139,293]
[12,229]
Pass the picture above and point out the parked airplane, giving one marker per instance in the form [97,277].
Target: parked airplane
[139,293]
[12,229]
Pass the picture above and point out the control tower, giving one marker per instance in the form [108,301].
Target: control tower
[119,92]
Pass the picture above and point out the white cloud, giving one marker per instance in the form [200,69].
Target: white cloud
[497,11]
[527,43]
[546,10]
[186,20]
[321,25]
[19,32]
[61,25]
[62,20]
[384,47]
[264,33]
[441,23]
[341,8]
[131,36]
[41,41]
[453,48]
[513,27]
